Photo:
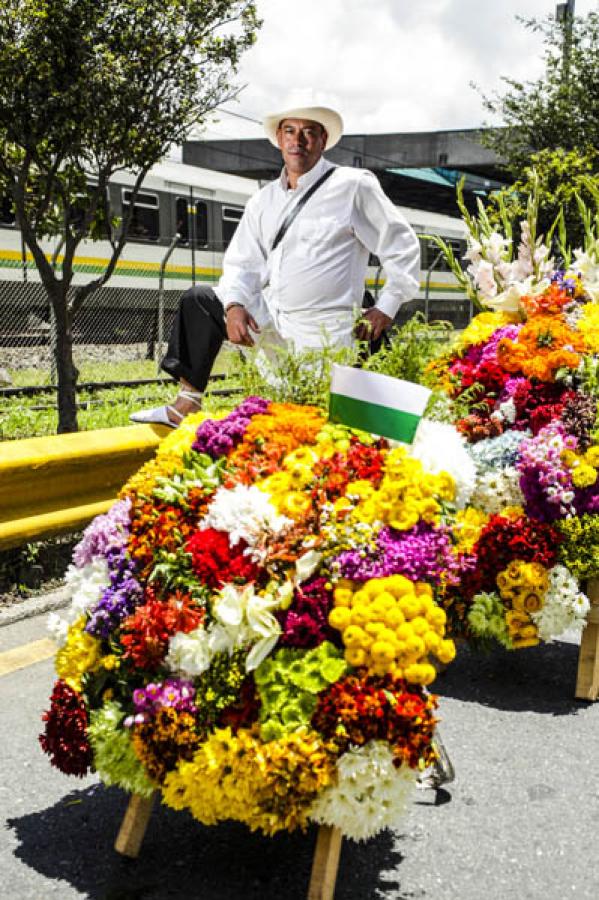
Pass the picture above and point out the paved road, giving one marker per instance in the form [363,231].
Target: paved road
[520,823]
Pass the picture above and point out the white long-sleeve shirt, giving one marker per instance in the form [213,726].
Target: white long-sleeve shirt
[314,280]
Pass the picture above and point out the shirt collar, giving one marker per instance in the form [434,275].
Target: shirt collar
[305,181]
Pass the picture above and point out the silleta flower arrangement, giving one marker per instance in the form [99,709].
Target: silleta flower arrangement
[254,622]
[524,387]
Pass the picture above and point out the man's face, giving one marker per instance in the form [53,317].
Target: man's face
[302,143]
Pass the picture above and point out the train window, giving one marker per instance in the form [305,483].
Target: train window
[432,257]
[7,216]
[145,222]
[201,221]
[231,217]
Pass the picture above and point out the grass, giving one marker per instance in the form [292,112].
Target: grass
[34,416]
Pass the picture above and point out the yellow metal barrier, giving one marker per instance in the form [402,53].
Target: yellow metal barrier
[53,485]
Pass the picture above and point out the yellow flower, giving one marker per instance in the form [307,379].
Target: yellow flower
[296,504]
[80,654]
[584,475]
[588,325]
[592,456]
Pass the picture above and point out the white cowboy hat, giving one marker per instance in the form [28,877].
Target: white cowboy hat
[330,120]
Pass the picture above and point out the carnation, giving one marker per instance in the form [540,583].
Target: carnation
[441,448]
[246,514]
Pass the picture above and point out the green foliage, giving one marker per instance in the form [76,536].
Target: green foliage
[290,377]
[287,376]
[561,108]
[410,349]
[560,178]
[89,88]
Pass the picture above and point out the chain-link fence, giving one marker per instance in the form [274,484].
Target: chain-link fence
[120,332]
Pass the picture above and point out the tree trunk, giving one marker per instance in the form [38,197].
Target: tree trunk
[65,368]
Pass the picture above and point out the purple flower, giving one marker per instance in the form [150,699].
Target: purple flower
[119,599]
[217,437]
[178,693]
[305,623]
[107,532]
[423,553]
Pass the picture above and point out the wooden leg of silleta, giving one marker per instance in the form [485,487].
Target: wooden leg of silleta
[133,826]
[587,680]
[325,863]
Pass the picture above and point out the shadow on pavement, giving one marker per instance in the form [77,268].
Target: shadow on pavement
[539,679]
[180,859]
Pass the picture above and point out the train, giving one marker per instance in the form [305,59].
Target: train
[188,215]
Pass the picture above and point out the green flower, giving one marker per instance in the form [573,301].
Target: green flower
[114,756]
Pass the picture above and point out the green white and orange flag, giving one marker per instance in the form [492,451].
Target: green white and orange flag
[377,403]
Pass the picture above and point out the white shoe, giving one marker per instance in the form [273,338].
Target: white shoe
[156,416]
[159,415]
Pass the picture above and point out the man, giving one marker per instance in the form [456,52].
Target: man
[308,288]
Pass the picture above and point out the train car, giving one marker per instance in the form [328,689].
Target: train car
[203,207]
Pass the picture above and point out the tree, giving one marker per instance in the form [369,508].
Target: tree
[561,108]
[90,87]
[558,179]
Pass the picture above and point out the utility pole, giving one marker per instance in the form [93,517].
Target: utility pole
[564,14]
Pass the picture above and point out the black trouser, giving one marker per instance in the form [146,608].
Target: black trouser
[196,337]
[198,333]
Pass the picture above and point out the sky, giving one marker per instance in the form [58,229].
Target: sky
[386,65]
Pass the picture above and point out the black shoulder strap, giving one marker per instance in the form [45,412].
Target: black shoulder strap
[297,208]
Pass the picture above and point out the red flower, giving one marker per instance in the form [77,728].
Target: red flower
[145,634]
[503,540]
[216,562]
[65,735]
[358,709]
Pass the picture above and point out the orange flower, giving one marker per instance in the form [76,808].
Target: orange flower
[544,345]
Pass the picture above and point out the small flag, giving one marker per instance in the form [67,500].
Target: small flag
[377,403]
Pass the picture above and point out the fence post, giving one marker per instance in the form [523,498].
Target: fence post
[160,335]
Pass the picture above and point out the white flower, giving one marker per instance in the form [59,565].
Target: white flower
[242,618]
[244,513]
[306,565]
[189,654]
[565,606]
[86,586]
[495,247]
[441,448]
[507,410]
[370,793]
[497,489]
[483,274]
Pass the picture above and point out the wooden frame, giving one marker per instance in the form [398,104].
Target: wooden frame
[587,679]
[324,864]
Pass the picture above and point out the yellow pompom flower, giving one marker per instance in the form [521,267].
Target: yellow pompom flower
[584,475]
[592,456]
[391,624]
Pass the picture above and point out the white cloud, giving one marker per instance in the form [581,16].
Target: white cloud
[392,65]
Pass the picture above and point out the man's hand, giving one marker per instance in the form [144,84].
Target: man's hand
[239,323]
[372,325]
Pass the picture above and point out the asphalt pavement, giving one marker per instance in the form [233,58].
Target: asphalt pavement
[520,822]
